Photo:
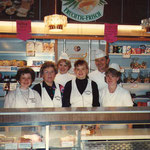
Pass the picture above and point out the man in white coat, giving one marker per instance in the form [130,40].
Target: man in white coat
[102,63]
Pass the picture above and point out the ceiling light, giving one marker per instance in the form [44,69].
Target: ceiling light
[55,22]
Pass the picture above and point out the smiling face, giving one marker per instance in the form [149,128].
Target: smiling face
[63,67]
[101,64]
[25,80]
[49,75]
[81,71]
[111,79]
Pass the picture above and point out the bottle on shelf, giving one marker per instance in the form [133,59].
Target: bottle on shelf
[124,80]
[6,83]
[1,77]
[13,83]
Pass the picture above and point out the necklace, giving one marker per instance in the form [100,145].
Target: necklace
[25,95]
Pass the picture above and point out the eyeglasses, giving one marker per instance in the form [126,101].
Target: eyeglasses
[49,72]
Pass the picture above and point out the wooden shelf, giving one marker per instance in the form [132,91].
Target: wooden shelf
[120,54]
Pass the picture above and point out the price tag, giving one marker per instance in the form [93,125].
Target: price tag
[38,145]
[67,144]
[134,85]
[11,146]
[136,70]
[102,42]
[126,55]
[14,68]
[24,145]
[148,103]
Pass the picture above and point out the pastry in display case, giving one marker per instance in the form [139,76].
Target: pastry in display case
[21,138]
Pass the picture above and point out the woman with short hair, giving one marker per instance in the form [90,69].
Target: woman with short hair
[49,90]
[64,65]
[114,95]
[23,96]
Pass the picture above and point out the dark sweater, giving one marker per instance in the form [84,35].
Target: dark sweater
[50,89]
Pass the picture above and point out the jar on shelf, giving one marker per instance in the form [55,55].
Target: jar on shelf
[124,49]
[13,83]
[111,49]
[115,49]
[6,83]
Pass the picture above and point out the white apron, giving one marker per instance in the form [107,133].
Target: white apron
[21,102]
[84,100]
[47,101]
[120,98]
[99,78]
[63,78]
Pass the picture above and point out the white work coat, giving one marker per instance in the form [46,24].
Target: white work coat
[84,100]
[62,79]
[46,99]
[99,78]
[15,99]
[120,98]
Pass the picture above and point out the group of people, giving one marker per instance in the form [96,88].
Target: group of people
[61,89]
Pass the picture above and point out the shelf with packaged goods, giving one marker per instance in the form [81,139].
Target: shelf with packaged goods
[134,70]
[20,53]
[36,81]
[141,99]
[121,54]
[15,68]
[136,87]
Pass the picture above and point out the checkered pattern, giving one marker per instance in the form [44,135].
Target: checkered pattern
[117,145]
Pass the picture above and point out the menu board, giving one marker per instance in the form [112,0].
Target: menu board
[18,9]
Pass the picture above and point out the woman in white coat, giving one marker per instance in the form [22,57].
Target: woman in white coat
[63,65]
[49,90]
[114,95]
[23,96]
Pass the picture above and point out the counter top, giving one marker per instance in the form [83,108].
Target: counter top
[97,115]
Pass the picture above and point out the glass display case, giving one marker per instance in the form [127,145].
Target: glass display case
[75,128]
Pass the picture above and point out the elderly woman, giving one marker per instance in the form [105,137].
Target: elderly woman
[114,95]
[23,96]
[64,65]
[50,91]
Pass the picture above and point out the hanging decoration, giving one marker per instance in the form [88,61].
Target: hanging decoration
[23,29]
[83,10]
[110,33]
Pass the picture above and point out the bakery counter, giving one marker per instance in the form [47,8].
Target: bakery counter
[71,128]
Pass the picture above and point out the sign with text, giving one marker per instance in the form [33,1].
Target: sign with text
[23,26]
[110,33]
[83,10]
[23,29]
